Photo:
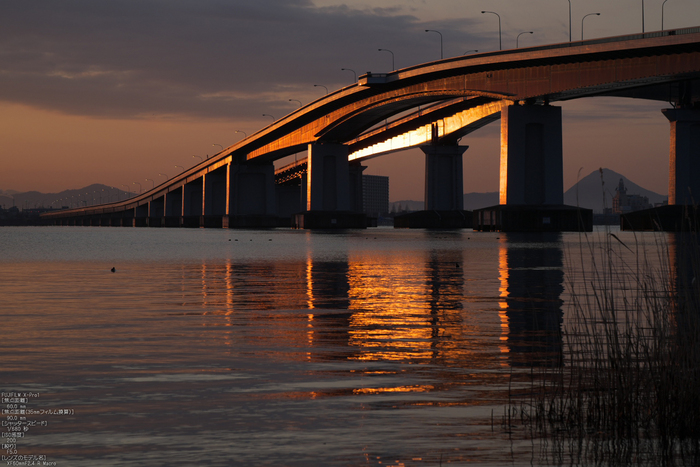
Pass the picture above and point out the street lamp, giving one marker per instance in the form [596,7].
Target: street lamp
[353,72]
[470,51]
[589,14]
[662,14]
[642,16]
[500,44]
[295,100]
[153,184]
[518,38]
[432,30]
[268,115]
[321,86]
[127,190]
[164,175]
[569,19]
[393,67]
[222,148]
[181,167]
[200,157]
[245,135]
[140,188]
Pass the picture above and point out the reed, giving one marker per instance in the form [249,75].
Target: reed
[628,392]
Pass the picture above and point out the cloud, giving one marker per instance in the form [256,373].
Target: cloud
[211,58]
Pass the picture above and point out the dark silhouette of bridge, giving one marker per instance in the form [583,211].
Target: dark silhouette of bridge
[433,106]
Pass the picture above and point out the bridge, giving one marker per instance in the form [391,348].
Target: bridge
[432,106]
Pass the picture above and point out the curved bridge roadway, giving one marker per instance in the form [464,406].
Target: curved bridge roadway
[437,103]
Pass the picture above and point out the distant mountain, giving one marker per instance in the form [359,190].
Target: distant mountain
[588,192]
[87,196]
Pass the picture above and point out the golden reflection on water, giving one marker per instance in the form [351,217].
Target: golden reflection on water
[503,293]
[392,306]
[391,317]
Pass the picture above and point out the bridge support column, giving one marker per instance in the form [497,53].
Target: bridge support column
[444,179]
[192,202]
[356,191]
[173,208]
[215,198]
[532,176]
[141,215]
[156,212]
[684,170]
[531,155]
[444,192]
[328,190]
[328,178]
[252,198]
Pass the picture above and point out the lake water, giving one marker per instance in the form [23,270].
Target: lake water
[281,347]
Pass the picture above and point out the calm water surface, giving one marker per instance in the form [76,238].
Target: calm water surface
[223,347]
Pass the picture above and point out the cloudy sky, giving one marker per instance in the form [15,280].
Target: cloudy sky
[121,91]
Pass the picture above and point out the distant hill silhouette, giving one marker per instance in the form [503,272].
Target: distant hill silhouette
[92,194]
[588,192]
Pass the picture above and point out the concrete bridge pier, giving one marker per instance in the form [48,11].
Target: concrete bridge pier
[683,178]
[444,191]
[444,179]
[328,199]
[252,197]
[172,206]
[215,198]
[156,212]
[531,155]
[192,202]
[531,175]
[684,169]
[141,215]
[356,192]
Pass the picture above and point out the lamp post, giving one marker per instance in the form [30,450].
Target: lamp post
[321,86]
[470,51]
[127,190]
[268,115]
[662,14]
[245,135]
[642,16]
[200,157]
[164,175]
[222,148]
[353,72]
[182,169]
[295,100]
[586,16]
[153,184]
[433,30]
[393,67]
[569,19]
[518,38]
[500,43]
[140,188]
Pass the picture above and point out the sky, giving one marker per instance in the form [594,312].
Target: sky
[123,92]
